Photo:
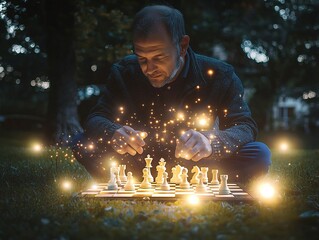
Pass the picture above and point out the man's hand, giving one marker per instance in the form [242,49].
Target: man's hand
[193,145]
[127,140]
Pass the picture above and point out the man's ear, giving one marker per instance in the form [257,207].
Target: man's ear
[184,45]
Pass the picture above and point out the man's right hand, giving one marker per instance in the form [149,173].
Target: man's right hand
[127,140]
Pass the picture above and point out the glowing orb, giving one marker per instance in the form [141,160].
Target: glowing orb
[283,146]
[193,199]
[37,147]
[210,72]
[267,191]
[66,185]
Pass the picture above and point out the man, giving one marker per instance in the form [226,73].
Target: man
[167,101]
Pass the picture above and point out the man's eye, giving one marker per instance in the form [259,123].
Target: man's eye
[142,60]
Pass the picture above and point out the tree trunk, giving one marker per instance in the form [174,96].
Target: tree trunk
[63,120]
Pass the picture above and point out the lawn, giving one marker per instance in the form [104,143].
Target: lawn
[35,206]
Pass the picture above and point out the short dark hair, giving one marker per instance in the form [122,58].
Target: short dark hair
[149,16]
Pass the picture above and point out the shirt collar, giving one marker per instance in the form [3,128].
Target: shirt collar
[186,66]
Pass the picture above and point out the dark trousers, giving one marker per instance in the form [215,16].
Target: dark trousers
[251,160]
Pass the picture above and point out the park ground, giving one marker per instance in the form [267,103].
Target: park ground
[34,204]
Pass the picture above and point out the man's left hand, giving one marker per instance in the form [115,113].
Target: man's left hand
[193,145]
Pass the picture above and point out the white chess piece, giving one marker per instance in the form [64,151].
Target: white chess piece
[196,171]
[204,171]
[123,177]
[215,177]
[184,183]
[148,161]
[112,185]
[179,169]
[145,184]
[200,187]
[174,177]
[160,170]
[165,186]
[162,162]
[223,188]
[129,186]
[117,177]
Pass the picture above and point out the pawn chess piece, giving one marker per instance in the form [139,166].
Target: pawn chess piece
[200,187]
[196,171]
[223,188]
[204,171]
[129,186]
[165,186]
[184,183]
[145,184]
[215,177]
[148,161]
[123,177]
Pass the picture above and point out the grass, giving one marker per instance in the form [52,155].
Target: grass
[34,206]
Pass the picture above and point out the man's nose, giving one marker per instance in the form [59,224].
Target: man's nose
[150,67]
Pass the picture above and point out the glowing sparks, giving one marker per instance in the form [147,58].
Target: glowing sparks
[210,72]
[180,116]
[283,146]
[66,185]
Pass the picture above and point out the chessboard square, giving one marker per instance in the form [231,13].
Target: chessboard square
[123,191]
[240,193]
[143,194]
[184,190]
[146,190]
[164,192]
[108,191]
[233,186]
[123,195]
[89,193]
[184,193]
[104,195]
[237,190]
[224,195]
[205,194]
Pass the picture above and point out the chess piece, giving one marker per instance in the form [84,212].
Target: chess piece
[148,161]
[165,186]
[123,177]
[160,170]
[129,186]
[117,177]
[200,187]
[174,178]
[179,169]
[215,177]
[223,188]
[204,171]
[184,183]
[145,184]
[196,171]
[112,185]
[162,162]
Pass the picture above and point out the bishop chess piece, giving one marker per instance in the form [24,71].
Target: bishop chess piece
[145,184]
[184,183]
[123,177]
[148,161]
[129,186]
[215,177]
[223,188]
[165,186]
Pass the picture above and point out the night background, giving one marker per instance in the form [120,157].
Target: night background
[55,57]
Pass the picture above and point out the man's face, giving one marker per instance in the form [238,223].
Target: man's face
[157,56]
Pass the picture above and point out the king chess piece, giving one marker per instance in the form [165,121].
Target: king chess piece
[148,161]
[223,188]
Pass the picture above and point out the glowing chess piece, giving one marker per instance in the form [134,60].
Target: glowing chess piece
[148,161]
[215,177]
[223,188]
[145,184]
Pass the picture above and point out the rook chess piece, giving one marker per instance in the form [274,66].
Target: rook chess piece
[215,177]
[129,186]
[223,188]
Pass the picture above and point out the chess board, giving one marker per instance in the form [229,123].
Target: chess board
[175,193]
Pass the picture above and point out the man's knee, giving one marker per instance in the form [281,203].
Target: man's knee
[263,153]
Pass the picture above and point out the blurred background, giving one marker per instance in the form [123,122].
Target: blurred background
[56,55]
